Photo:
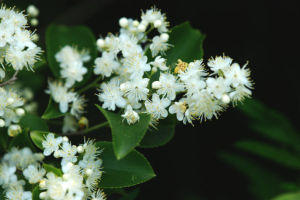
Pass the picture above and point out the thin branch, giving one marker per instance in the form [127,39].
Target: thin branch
[11,80]
[85,131]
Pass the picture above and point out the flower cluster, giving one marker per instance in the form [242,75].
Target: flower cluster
[11,110]
[79,179]
[16,45]
[72,70]
[190,91]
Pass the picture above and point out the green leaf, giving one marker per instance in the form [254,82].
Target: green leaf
[36,193]
[131,170]
[288,196]
[263,183]
[58,36]
[51,168]
[22,140]
[38,137]
[125,137]
[187,44]
[270,123]
[161,135]
[275,154]
[3,139]
[52,111]
[33,122]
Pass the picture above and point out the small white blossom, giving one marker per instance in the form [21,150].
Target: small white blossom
[130,115]
[106,64]
[157,107]
[34,173]
[51,144]
[160,63]
[158,45]
[169,86]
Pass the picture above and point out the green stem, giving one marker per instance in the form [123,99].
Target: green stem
[94,127]
[91,85]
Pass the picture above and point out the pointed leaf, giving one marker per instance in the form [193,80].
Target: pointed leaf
[131,170]
[33,122]
[36,193]
[125,137]
[160,136]
[52,111]
[51,168]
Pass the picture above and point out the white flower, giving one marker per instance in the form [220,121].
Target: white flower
[111,95]
[73,73]
[106,64]
[155,17]
[158,45]
[98,195]
[78,106]
[34,173]
[179,108]
[61,95]
[240,93]
[129,45]
[18,193]
[157,107]
[238,76]
[219,63]
[130,115]
[160,63]
[69,124]
[7,174]
[51,144]
[169,86]
[136,65]
[217,86]
[136,90]
[68,153]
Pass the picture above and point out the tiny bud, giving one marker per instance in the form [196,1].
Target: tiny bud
[2,73]
[43,195]
[42,183]
[142,28]
[33,11]
[157,23]
[80,149]
[35,37]
[164,37]
[124,87]
[156,85]
[100,43]
[2,123]
[135,23]
[20,111]
[225,99]
[123,22]
[89,171]
[83,122]
[65,139]
[14,130]
[10,100]
[34,22]
[154,69]
[56,154]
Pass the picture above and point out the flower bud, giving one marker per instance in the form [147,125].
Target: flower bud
[135,23]
[88,171]
[225,99]
[156,85]
[33,11]
[56,154]
[43,195]
[100,43]
[34,22]
[80,149]
[10,100]
[154,69]
[65,139]
[35,37]
[14,130]
[2,74]
[2,123]
[123,22]
[157,23]
[42,183]
[83,122]
[20,111]
[164,37]
[142,28]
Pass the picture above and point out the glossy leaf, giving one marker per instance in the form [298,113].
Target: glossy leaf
[33,122]
[51,168]
[3,139]
[58,36]
[131,170]
[273,153]
[160,136]
[36,193]
[187,44]
[288,196]
[22,140]
[37,137]
[125,137]
[52,111]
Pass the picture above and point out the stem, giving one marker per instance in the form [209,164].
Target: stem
[85,131]
[11,80]
[91,85]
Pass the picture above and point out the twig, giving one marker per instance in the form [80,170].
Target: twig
[11,80]
[85,131]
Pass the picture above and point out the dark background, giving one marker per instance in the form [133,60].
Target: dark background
[261,32]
